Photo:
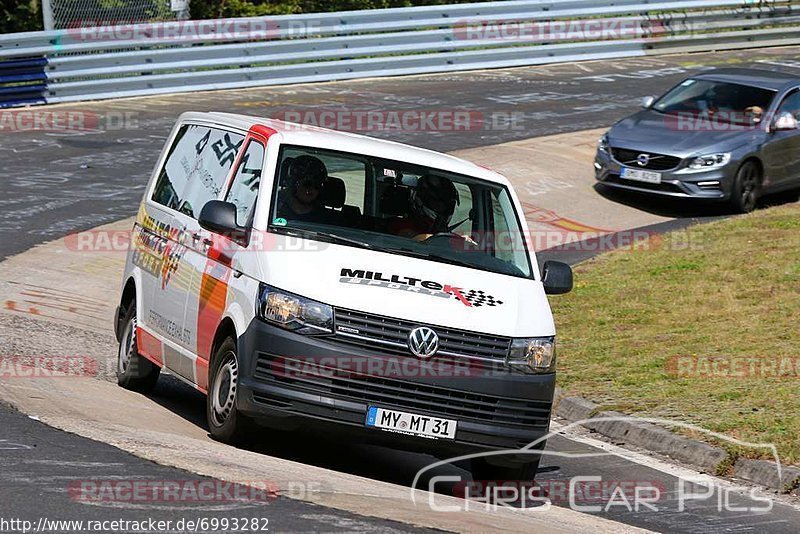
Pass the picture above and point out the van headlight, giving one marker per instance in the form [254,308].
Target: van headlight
[711,161]
[293,312]
[538,353]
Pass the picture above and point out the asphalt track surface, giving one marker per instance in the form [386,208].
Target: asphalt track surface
[60,182]
[44,469]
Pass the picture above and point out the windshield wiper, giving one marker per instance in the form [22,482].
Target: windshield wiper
[428,256]
[325,236]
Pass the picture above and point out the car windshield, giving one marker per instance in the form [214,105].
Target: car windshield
[397,207]
[722,101]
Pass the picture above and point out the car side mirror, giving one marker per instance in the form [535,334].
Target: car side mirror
[785,122]
[648,101]
[556,278]
[220,217]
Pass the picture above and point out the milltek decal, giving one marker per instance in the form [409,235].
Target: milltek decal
[473,298]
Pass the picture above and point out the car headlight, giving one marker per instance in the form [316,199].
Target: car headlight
[602,144]
[538,353]
[293,312]
[711,161]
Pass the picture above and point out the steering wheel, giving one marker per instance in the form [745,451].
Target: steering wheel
[447,238]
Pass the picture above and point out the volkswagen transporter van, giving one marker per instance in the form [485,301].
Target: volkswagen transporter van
[309,279]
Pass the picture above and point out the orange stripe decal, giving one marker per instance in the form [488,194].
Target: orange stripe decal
[213,298]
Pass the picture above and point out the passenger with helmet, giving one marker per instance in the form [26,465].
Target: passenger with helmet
[302,198]
[433,202]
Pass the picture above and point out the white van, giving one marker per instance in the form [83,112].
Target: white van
[307,278]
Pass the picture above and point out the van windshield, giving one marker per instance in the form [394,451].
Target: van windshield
[398,207]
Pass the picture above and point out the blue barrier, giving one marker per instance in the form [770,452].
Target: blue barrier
[23,81]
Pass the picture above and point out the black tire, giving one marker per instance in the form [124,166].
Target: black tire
[746,188]
[523,473]
[225,423]
[134,371]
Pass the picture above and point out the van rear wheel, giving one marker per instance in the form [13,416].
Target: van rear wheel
[134,371]
[225,422]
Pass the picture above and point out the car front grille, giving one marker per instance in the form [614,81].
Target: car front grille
[656,162]
[390,336]
[320,380]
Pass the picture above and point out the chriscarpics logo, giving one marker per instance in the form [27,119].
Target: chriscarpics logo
[473,298]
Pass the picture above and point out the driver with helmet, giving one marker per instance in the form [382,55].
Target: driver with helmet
[302,198]
[433,203]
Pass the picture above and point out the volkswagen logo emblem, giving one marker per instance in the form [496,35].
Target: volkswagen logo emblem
[423,342]
[643,160]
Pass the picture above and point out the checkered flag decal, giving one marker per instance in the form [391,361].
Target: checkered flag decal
[478,298]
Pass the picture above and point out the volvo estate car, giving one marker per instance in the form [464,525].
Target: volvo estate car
[304,278]
[724,135]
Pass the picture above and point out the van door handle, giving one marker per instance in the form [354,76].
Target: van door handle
[206,240]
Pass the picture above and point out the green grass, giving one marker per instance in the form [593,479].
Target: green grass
[727,291]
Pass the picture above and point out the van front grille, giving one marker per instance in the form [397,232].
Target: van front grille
[391,335]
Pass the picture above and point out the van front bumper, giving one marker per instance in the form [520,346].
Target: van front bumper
[289,380]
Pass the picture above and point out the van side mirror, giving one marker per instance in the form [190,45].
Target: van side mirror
[557,278]
[220,217]
[785,122]
[648,101]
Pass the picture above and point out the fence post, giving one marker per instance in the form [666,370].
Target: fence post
[47,15]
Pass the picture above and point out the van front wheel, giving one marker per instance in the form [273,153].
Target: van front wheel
[225,422]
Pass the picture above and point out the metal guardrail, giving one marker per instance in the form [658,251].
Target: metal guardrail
[120,61]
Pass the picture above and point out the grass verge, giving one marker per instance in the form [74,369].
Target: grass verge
[701,326]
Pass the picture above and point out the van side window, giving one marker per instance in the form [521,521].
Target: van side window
[196,167]
[246,181]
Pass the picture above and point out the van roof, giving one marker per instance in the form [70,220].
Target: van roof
[305,135]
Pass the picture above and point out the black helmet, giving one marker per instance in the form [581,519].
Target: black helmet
[434,200]
[306,170]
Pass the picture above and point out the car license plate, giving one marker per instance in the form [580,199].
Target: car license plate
[409,423]
[641,176]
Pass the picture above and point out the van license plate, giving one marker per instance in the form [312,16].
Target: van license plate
[409,423]
[641,176]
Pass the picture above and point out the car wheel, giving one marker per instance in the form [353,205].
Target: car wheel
[225,422]
[746,187]
[134,371]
